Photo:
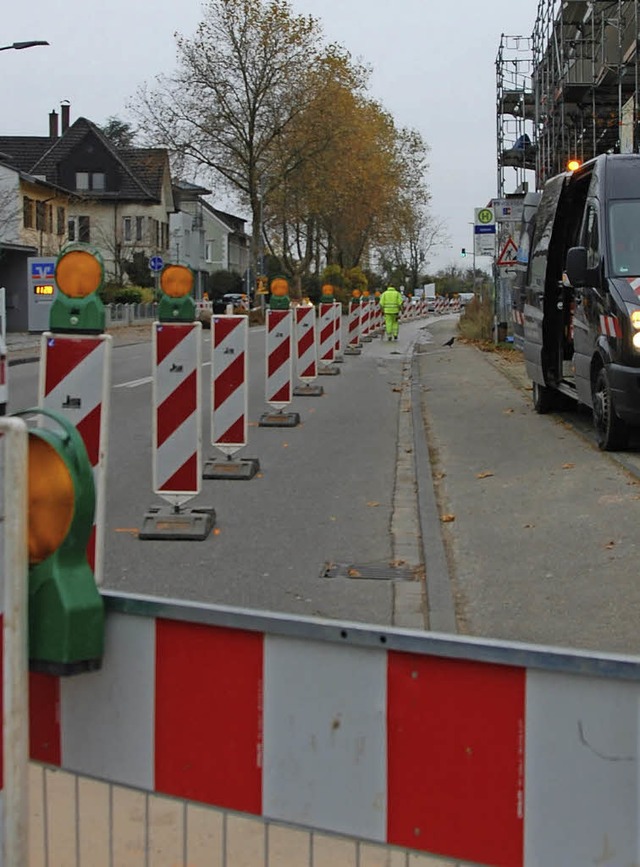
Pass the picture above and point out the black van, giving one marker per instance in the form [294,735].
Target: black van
[582,295]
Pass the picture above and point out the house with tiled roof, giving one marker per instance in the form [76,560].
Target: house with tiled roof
[119,199]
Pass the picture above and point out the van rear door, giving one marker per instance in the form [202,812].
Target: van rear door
[533,312]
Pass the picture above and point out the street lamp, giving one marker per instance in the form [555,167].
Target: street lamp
[20,45]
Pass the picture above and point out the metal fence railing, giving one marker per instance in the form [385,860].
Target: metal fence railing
[129,314]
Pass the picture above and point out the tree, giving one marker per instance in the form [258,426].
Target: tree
[243,80]
[120,132]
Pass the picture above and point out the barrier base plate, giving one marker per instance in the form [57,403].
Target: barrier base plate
[367,339]
[353,350]
[279,419]
[338,359]
[241,469]
[308,390]
[328,370]
[163,522]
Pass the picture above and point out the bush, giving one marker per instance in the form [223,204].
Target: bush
[224,282]
[127,296]
[476,322]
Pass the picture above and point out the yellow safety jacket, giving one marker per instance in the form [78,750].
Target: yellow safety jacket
[391,300]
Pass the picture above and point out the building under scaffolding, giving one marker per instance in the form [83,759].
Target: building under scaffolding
[568,91]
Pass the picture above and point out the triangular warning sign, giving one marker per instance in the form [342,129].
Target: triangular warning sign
[508,254]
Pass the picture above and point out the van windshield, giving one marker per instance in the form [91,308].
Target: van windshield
[624,237]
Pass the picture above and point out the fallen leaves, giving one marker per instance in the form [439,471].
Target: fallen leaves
[610,545]
[447,519]
[372,504]
[568,466]
[354,573]
[484,475]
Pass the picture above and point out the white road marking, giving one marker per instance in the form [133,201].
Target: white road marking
[134,382]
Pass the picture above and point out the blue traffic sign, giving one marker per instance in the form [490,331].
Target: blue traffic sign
[156,263]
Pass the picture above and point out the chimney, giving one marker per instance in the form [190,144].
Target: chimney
[53,124]
[65,108]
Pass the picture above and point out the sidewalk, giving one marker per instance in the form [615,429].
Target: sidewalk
[540,527]
[24,347]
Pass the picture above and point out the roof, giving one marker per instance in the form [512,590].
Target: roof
[235,223]
[142,168]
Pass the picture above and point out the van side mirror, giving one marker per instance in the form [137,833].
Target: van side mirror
[576,266]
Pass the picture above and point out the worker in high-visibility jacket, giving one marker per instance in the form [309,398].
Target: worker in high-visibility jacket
[391,302]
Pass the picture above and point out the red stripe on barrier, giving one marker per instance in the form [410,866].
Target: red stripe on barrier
[456,758]
[89,430]
[208,730]
[44,716]
[185,477]
[275,318]
[283,395]
[234,434]
[278,357]
[176,408]
[63,356]
[223,328]
[305,341]
[168,338]
[229,380]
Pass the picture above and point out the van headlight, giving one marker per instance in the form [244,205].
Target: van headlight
[634,316]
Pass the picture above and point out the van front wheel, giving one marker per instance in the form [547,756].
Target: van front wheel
[612,433]
[544,398]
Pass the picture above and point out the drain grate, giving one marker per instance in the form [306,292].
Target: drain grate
[369,571]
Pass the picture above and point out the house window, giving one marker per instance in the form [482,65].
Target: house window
[90,181]
[165,236]
[126,229]
[208,251]
[27,212]
[41,216]
[84,233]
[139,228]
[79,229]
[60,220]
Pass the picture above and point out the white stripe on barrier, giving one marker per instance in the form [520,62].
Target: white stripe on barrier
[278,372]
[229,383]
[177,438]
[75,379]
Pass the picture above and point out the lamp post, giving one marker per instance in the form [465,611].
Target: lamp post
[18,46]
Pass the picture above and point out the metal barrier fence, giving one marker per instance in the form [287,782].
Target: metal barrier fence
[299,737]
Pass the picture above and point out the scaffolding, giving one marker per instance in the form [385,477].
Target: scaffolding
[515,111]
[582,90]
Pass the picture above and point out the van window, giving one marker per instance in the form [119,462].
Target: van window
[592,239]
[624,237]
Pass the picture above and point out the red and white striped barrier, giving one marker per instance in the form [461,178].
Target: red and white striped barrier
[327,335]
[75,380]
[353,327]
[365,321]
[177,438]
[229,392]
[306,347]
[337,322]
[475,751]
[278,385]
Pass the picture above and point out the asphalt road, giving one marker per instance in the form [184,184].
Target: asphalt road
[324,493]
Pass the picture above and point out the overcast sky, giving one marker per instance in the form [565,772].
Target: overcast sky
[433,69]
